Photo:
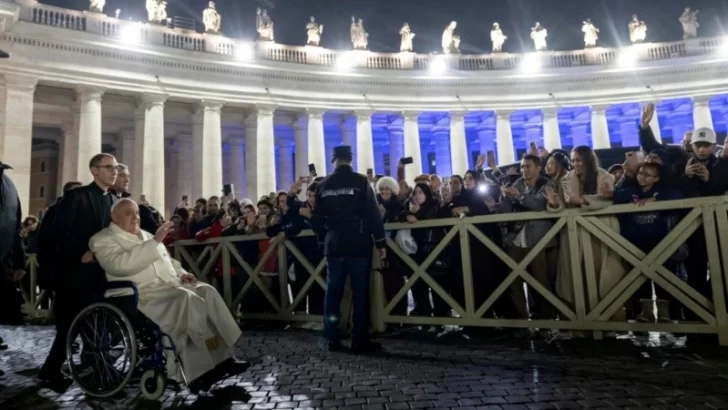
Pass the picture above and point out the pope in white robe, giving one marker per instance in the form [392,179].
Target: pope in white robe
[193,314]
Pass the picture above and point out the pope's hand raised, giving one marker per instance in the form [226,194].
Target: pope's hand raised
[163,231]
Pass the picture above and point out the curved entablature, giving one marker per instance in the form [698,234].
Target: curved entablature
[67,47]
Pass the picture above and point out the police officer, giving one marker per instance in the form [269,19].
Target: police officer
[347,222]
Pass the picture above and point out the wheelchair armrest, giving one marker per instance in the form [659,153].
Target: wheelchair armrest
[123,284]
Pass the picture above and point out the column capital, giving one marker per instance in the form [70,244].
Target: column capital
[210,105]
[600,108]
[457,114]
[315,112]
[550,111]
[86,93]
[411,115]
[262,109]
[503,114]
[150,99]
[20,82]
[702,99]
[363,115]
[300,123]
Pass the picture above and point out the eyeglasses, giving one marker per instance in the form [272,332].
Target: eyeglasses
[110,168]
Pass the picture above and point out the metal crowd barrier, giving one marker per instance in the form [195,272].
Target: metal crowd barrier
[591,310]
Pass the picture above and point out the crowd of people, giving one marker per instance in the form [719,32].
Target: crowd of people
[546,182]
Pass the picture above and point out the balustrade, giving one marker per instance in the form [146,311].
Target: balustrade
[211,43]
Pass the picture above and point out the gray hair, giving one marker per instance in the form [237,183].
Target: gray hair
[119,203]
[121,168]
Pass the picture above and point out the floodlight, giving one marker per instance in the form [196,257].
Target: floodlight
[130,33]
[244,51]
[438,65]
[627,57]
[531,63]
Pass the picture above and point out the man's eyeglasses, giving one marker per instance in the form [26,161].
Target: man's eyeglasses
[110,168]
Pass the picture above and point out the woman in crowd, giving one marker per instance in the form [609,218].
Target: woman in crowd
[297,219]
[421,207]
[591,187]
[394,269]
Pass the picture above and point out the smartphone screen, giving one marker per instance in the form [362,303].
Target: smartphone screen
[532,145]
[227,189]
[312,169]
[491,156]
[370,172]
[407,161]
[184,198]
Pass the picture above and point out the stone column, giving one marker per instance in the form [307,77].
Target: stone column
[184,167]
[260,161]
[599,127]
[364,142]
[88,104]
[701,112]
[128,153]
[316,142]
[69,151]
[412,145]
[459,153]
[285,156]
[149,151]
[551,131]
[16,131]
[172,197]
[379,160]
[348,133]
[443,157]
[236,166]
[300,131]
[504,138]
[207,149]
[396,149]
[485,137]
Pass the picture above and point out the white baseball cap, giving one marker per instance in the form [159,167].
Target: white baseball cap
[703,135]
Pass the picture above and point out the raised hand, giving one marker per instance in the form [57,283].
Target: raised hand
[163,231]
[551,196]
[647,113]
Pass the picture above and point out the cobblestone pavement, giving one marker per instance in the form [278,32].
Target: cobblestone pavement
[290,369]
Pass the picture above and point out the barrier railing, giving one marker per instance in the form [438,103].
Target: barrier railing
[597,295]
[153,34]
[33,296]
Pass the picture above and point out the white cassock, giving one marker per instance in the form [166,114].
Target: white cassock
[194,316]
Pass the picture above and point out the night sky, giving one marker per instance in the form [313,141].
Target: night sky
[428,18]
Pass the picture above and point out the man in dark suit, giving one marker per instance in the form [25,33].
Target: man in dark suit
[47,241]
[149,217]
[12,255]
[82,212]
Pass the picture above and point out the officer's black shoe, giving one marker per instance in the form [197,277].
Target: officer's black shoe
[336,347]
[366,348]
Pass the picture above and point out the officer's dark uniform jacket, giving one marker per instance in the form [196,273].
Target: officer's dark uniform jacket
[12,254]
[346,217]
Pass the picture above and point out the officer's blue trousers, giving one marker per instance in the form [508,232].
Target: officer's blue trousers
[337,271]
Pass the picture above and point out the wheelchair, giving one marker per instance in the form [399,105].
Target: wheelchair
[110,342]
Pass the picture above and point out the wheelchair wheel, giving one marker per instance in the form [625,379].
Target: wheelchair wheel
[107,356]
[152,384]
